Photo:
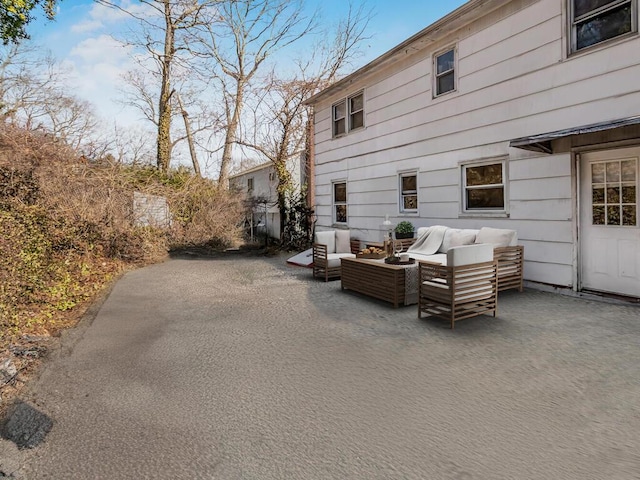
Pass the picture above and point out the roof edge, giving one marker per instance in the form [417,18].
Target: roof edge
[435,27]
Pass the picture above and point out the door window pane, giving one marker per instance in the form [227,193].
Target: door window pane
[613,195]
[598,195]
[629,194]
[597,173]
[613,215]
[598,215]
[629,215]
[613,172]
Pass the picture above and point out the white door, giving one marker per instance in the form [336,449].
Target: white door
[609,228]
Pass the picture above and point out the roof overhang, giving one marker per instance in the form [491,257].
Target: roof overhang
[542,142]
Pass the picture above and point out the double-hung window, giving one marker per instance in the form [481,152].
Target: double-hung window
[340,202]
[409,192]
[445,72]
[596,21]
[483,187]
[348,114]
[250,185]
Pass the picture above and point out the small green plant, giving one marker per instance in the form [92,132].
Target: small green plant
[404,227]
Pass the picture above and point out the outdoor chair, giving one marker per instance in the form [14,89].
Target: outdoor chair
[328,248]
[465,287]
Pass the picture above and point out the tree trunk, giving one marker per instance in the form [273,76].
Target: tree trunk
[164,106]
[187,127]
[231,137]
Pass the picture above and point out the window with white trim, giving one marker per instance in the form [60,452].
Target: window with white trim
[340,202]
[250,185]
[596,21]
[408,192]
[348,114]
[483,186]
[445,72]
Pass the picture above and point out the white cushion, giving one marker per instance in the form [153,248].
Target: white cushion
[454,237]
[343,241]
[440,258]
[468,254]
[333,259]
[327,238]
[498,237]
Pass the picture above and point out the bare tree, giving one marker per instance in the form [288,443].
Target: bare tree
[249,31]
[33,94]
[281,133]
[165,27]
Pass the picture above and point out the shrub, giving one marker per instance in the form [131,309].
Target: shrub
[404,227]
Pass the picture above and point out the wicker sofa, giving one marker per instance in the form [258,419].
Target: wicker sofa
[506,251]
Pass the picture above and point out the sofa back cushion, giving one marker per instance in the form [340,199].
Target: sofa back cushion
[468,254]
[498,237]
[343,241]
[327,238]
[455,237]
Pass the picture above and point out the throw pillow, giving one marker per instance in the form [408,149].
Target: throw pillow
[496,236]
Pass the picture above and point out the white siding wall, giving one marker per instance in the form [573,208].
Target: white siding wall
[514,80]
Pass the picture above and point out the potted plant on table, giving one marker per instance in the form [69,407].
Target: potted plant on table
[404,229]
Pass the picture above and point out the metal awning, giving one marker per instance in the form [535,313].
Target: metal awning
[542,142]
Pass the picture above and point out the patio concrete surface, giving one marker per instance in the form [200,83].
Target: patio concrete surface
[247,368]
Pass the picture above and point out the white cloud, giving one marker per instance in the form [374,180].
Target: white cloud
[97,65]
[100,15]
[87,26]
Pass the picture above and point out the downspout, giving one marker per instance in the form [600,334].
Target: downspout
[311,162]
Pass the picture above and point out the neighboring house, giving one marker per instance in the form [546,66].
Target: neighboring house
[260,186]
[520,114]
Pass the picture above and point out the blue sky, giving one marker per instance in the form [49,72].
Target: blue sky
[80,38]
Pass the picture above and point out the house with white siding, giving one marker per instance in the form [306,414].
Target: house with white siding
[259,184]
[519,114]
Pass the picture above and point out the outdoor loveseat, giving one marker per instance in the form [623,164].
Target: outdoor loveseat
[433,243]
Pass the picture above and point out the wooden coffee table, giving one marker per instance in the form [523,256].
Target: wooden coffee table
[375,278]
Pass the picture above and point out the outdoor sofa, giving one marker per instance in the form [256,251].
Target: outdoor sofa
[432,243]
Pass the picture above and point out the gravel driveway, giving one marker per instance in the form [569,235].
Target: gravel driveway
[246,368]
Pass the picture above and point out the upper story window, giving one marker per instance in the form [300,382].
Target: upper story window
[595,21]
[445,72]
[340,202]
[409,192]
[483,187]
[351,109]
[250,185]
